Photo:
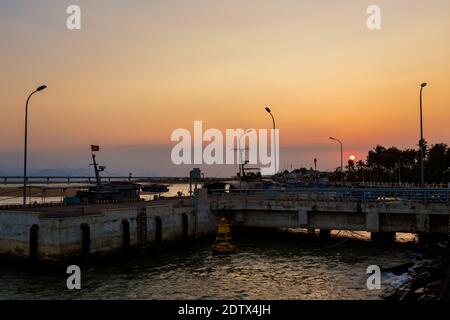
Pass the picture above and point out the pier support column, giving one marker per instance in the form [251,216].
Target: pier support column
[303,217]
[184,227]
[126,235]
[141,224]
[158,230]
[448,229]
[85,242]
[372,221]
[427,238]
[382,237]
[34,236]
[324,234]
[423,221]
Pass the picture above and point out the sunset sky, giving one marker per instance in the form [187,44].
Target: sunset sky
[139,69]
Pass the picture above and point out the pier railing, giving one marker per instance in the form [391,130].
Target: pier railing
[361,195]
[18,180]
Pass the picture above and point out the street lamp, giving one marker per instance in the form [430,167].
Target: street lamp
[342,160]
[40,88]
[274,137]
[421,142]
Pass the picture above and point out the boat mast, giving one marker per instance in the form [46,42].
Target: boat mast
[97,172]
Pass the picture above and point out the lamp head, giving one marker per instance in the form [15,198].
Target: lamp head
[423,85]
[40,88]
[268,109]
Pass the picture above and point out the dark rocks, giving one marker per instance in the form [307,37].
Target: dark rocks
[400,269]
[428,280]
[433,286]
[421,279]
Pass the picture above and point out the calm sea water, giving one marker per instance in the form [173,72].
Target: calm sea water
[265,267]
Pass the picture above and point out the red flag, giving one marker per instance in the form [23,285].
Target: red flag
[95,148]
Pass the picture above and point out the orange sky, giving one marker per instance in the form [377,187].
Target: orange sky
[140,69]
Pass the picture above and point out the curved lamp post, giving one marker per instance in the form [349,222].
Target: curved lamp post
[274,138]
[421,142]
[342,160]
[40,88]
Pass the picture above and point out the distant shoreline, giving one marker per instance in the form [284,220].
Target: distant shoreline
[37,192]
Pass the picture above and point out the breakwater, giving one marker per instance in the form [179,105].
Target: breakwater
[55,234]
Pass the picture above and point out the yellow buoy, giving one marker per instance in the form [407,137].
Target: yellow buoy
[223,243]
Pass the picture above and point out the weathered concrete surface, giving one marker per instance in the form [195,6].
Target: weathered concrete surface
[60,238]
[14,232]
[60,235]
[395,216]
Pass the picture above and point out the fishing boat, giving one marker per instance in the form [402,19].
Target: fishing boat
[112,191]
[245,179]
[223,243]
[155,188]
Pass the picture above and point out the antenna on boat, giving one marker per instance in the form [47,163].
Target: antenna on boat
[97,169]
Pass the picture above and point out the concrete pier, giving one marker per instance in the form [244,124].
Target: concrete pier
[428,238]
[324,234]
[59,234]
[382,237]
[383,218]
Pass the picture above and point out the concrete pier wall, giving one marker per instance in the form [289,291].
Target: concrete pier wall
[15,232]
[59,233]
[385,217]
[62,238]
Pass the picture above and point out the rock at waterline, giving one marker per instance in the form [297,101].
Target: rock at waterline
[399,269]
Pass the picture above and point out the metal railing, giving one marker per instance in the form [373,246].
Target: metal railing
[79,179]
[344,194]
[91,179]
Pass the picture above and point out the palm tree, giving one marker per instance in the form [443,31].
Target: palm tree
[436,162]
[360,166]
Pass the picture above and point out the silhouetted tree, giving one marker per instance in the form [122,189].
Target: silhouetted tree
[393,164]
[436,163]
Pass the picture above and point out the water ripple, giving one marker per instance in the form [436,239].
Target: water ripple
[262,269]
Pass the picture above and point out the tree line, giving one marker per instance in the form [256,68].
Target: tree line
[395,165]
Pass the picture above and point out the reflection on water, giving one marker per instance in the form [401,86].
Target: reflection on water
[174,190]
[269,267]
